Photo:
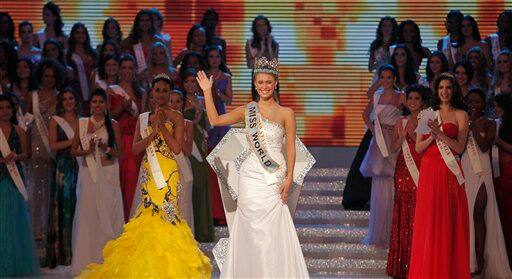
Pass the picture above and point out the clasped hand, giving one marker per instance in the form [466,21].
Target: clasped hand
[435,129]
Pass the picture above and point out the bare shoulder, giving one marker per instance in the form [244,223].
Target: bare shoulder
[461,115]
[286,112]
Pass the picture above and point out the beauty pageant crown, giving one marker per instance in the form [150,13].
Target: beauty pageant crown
[162,75]
[263,65]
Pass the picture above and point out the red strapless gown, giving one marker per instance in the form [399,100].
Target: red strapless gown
[504,198]
[440,243]
[129,164]
[403,215]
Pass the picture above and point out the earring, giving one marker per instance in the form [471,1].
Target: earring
[106,112]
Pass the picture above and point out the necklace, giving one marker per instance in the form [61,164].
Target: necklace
[97,124]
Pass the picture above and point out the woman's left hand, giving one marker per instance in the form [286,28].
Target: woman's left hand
[285,188]
[204,82]
[435,128]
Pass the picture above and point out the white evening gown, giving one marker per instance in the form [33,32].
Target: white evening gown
[495,254]
[263,242]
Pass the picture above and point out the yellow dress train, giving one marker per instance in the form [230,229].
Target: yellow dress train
[157,243]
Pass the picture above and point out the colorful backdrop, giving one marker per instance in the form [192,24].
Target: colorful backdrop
[323,46]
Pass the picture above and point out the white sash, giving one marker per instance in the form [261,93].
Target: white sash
[379,137]
[409,160]
[65,126]
[448,50]
[11,166]
[139,56]
[495,45]
[495,153]
[156,171]
[474,156]
[448,157]
[391,50]
[120,91]
[91,162]
[82,77]
[40,124]
[196,153]
[22,122]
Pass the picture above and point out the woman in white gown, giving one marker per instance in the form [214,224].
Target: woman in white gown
[488,255]
[99,213]
[263,242]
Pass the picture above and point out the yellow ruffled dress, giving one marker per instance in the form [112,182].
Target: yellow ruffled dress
[157,243]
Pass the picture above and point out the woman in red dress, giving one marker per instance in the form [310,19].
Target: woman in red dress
[504,182]
[125,102]
[405,184]
[440,242]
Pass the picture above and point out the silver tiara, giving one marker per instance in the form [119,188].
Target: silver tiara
[164,76]
[263,65]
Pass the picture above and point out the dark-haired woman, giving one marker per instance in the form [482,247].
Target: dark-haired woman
[125,102]
[8,57]
[440,238]
[26,47]
[99,208]
[156,243]
[262,43]
[108,72]
[379,161]
[82,57]
[16,240]
[24,83]
[196,41]
[54,49]
[111,31]
[141,38]
[406,183]
[222,86]
[63,192]
[386,36]
[210,21]
[54,24]
[504,182]
[49,77]
[409,34]
[436,64]
[463,72]
[502,39]
[471,33]
[107,50]
[7,29]
[403,61]
[194,110]
[449,43]
[158,23]
[481,76]
[487,246]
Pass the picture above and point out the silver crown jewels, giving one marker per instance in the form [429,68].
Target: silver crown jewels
[263,65]
[162,75]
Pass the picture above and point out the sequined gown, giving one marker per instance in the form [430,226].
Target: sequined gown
[440,238]
[263,242]
[40,170]
[201,197]
[214,136]
[403,215]
[17,248]
[161,244]
[62,206]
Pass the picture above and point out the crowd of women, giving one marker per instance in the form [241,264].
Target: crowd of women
[69,119]
[441,190]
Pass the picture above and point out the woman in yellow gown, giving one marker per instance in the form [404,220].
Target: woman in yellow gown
[157,242]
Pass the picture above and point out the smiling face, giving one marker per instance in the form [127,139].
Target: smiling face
[22,69]
[461,76]
[145,23]
[51,51]
[409,33]
[199,37]
[127,71]
[112,31]
[445,91]
[387,28]
[400,57]
[48,17]
[68,102]
[48,79]
[387,79]
[175,101]
[475,104]
[503,63]
[111,68]
[414,102]
[26,34]
[474,59]
[265,85]
[80,35]
[159,56]
[214,59]
[98,105]
[108,49]
[193,62]
[190,85]
[436,65]
[261,27]
[161,92]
